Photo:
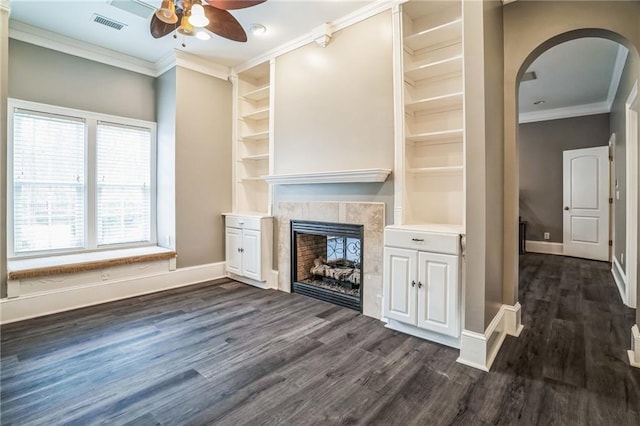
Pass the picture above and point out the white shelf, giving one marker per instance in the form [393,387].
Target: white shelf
[436,103]
[442,35]
[258,136]
[426,70]
[445,170]
[259,114]
[256,157]
[443,136]
[259,94]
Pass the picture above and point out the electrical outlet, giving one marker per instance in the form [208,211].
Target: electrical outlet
[546,236]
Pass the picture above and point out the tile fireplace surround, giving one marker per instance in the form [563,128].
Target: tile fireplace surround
[371,215]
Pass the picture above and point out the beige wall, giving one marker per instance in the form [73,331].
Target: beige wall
[334,105]
[43,75]
[202,166]
[618,126]
[166,153]
[540,153]
[4,88]
[530,28]
[484,138]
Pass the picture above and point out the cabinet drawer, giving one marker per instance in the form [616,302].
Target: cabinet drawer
[243,222]
[423,241]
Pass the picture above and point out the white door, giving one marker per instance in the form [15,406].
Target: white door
[438,293]
[586,203]
[251,254]
[233,244]
[399,284]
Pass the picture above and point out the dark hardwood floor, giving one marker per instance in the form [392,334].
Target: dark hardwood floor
[227,353]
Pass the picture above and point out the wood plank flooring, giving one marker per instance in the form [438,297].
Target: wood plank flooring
[229,354]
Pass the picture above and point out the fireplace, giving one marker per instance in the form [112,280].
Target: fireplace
[326,262]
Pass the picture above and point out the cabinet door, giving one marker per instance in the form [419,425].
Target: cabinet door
[438,307]
[251,254]
[233,244]
[399,284]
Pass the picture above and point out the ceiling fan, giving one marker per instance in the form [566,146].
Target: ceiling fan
[190,17]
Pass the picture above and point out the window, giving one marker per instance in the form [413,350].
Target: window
[81,181]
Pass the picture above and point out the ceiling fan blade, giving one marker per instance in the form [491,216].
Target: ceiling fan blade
[160,29]
[234,4]
[224,24]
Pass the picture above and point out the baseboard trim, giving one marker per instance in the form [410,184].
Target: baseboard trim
[620,279]
[479,350]
[451,341]
[544,247]
[66,299]
[634,353]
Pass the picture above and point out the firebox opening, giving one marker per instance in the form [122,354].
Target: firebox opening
[327,262]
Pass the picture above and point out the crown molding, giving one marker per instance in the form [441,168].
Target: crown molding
[70,46]
[359,15]
[5,5]
[567,112]
[618,68]
[201,65]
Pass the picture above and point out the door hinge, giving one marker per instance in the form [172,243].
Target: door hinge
[610,243]
[610,200]
[611,158]
[463,245]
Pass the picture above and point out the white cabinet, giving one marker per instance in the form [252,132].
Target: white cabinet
[248,241]
[421,283]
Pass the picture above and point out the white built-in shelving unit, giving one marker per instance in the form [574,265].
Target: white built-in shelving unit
[430,114]
[253,97]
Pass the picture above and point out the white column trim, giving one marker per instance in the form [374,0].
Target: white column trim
[479,350]
[634,353]
[5,5]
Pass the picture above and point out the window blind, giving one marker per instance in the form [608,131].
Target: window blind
[123,199]
[48,181]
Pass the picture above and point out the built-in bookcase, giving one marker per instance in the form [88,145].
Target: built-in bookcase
[252,152]
[430,114]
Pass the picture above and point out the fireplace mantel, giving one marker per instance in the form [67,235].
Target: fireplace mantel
[343,176]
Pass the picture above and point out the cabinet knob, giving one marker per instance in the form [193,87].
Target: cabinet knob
[417,239]
[566,208]
[413,283]
[419,284]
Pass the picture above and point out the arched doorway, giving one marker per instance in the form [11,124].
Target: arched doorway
[533,28]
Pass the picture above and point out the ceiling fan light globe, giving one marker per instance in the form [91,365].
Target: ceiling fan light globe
[197,18]
[167,12]
[185,27]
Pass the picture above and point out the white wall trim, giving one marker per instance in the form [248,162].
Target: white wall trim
[567,112]
[36,305]
[202,65]
[634,353]
[513,319]
[544,247]
[479,350]
[632,108]
[359,15]
[620,279]
[60,43]
[618,68]
[5,5]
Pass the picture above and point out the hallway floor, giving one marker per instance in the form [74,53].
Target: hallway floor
[227,353]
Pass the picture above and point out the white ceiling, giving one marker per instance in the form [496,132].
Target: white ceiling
[285,20]
[576,73]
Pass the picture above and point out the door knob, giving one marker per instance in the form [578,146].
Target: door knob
[566,208]
[413,283]
[419,284]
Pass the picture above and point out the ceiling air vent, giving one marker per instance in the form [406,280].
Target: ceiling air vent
[108,22]
[528,76]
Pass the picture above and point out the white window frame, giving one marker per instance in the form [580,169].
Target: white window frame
[91,122]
